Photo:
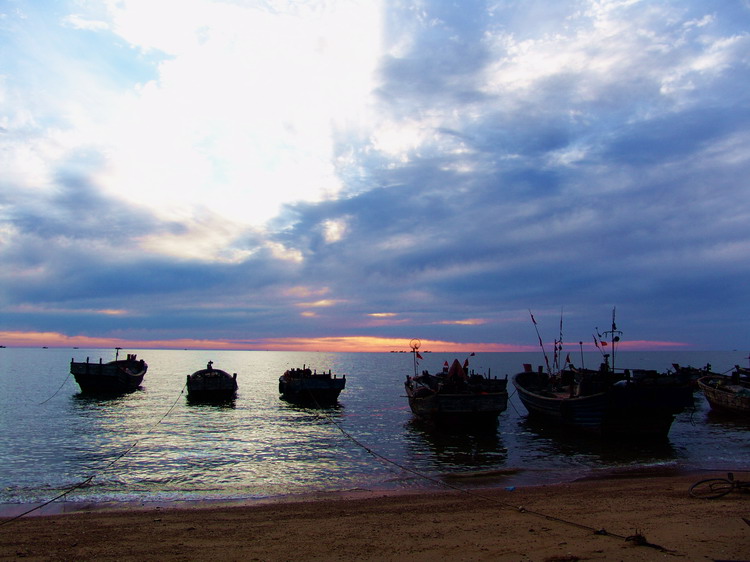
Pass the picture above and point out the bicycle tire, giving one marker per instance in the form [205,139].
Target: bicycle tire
[711,488]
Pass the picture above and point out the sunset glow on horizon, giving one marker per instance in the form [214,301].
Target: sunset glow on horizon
[341,344]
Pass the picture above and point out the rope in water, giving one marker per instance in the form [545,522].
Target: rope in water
[637,539]
[56,392]
[90,478]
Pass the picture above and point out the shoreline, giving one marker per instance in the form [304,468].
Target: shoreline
[8,511]
[449,482]
[622,517]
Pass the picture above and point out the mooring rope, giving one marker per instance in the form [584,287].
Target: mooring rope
[636,539]
[110,465]
[56,392]
[515,391]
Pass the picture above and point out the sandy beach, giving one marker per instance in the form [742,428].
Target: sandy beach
[622,517]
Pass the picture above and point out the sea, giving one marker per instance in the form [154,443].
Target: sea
[61,451]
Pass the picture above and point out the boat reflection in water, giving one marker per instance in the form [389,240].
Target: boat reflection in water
[459,457]
[587,450]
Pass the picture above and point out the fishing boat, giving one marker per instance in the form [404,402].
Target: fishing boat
[310,387]
[456,395]
[113,377]
[211,384]
[728,394]
[605,401]
[692,374]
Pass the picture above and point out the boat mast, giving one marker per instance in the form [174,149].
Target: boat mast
[415,344]
[614,337]
[559,347]
[580,345]
[541,343]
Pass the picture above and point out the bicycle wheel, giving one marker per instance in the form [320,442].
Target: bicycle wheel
[711,488]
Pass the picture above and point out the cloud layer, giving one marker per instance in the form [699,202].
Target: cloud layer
[355,174]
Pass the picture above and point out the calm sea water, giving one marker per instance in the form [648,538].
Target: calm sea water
[153,446]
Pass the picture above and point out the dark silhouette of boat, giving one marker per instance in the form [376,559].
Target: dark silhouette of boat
[456,395]
[211,385]
[113,377]
[309,387]
[607,401]
[604,402]
[692,374]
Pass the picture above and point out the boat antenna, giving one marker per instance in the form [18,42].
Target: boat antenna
[117,352]
[541,344]
[558,346]
[415,344]
[614,336]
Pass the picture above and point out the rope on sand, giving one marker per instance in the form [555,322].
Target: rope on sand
[637,539]
[90,478]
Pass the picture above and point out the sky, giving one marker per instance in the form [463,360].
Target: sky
[349,175]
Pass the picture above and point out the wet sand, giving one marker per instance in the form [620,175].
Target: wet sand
[628,516]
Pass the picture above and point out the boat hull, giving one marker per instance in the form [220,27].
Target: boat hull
[725,395]
[108,378]
[311,389]
[623,409]
[446,408]
[211,385]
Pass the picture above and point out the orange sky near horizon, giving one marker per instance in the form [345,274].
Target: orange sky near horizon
[331,344]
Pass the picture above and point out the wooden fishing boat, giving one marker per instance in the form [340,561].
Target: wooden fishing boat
[456,395]
[729,394]
[113,377]
[211,384]
[604,402]
[309,387]
[624,402]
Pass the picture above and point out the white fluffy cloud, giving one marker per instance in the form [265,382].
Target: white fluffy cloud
[240,116]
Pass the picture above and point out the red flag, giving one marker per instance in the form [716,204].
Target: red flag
[419,356]
[603,343]
[445,364]
[472,354]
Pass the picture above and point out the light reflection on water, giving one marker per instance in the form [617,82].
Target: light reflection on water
[259,445]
